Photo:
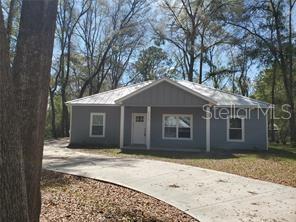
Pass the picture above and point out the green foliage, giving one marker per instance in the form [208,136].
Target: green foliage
[263,87]
[152,64]
[263,91]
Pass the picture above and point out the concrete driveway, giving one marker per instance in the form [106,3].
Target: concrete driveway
[207,195]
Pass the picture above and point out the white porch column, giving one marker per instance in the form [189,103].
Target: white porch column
[148,127]
[266,122]
[71,115]
[208,129]
[121,126]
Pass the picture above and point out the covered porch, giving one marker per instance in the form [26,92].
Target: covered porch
[153,128]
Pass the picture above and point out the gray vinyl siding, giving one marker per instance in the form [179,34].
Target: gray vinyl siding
[81,125]
[199,125]
[255,133]
[197,142]
[164,94]
[255,129]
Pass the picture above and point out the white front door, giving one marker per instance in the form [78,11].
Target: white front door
[139,128]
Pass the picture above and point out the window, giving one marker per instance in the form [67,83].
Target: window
[177,127]
[140,119]
[97,125]
[235,129]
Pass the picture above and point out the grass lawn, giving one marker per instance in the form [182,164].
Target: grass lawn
[278,165]
[72,198]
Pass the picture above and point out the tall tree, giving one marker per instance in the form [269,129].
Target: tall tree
[266,20]
[126,17]
[151,64]
[13,197]
[69,14]
[23,119]
[190,22]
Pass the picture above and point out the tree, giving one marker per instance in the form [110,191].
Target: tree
[69,14]
[241,62]
[151,64]
[125,21]
[23,103]
[11,11]
[266,20]
[190,23]
[217,72]
[270,87]
[120,57]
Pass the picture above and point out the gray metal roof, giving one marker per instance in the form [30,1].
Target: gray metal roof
[222,98]
[109,97]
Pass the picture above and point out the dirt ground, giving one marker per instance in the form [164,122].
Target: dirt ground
[71,198]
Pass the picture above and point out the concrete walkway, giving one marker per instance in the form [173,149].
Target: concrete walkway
[204,194]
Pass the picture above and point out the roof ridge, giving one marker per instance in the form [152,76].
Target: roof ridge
[229,93]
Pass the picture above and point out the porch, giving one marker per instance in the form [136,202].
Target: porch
[164,128]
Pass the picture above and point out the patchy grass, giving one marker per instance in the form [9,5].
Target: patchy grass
[72,198]
[278,165]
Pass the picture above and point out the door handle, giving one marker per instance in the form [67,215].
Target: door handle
[144,131]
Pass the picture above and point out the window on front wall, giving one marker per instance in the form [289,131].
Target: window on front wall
[235,129]
[97,124]
[177,126]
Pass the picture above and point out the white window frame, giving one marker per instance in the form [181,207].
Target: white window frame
[177,127]
[242,128]
[91,122]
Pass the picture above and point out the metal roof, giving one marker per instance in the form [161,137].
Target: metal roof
[222,98]
[109,97]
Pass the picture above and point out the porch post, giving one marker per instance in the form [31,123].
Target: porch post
[121,126]
[208,129]
[266,123]
[71,115]
[148,127]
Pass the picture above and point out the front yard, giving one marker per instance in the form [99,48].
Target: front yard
[72,198]
[278,165]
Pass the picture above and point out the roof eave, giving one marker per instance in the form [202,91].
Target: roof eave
[91,104]
[267,106]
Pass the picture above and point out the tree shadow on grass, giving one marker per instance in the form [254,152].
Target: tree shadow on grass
[78,161]
[214,154]
[277,153]
[180,154]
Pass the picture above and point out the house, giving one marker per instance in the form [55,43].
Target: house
[169,115]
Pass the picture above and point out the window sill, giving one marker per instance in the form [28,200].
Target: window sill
[168,138]
[236,141]
[94,136]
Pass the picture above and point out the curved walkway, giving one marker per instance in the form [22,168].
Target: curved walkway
[207,195]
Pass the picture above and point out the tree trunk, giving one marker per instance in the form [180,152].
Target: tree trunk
[13,197]
[65,114]
[286,74]
[201,58]
[291,47]
[10,18]
[191,68]
[273,102]
[53,114]
[31,72]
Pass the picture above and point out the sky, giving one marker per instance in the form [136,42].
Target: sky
[222,56]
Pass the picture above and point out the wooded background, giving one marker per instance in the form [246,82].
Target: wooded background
[244,47]
[61,50]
